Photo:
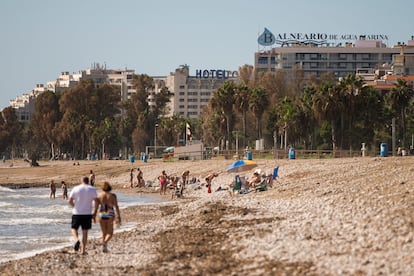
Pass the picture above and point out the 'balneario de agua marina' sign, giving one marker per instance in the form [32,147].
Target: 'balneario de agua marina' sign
[267,38]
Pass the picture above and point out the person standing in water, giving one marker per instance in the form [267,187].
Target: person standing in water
[92,178]
[52,187]
[81,198]
[108,211]
[64,190]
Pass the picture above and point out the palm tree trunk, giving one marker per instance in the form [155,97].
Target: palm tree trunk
[333,136]
[244,128]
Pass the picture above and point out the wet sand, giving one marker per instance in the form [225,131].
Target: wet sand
[350,216]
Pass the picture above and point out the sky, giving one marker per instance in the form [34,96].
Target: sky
[42,38]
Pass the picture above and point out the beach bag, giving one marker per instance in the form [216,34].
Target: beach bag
[209,190]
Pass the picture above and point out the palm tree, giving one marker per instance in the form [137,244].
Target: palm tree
[399,99]
[327,106]
[242,99]
[222,100]
[351,88]
[259,102]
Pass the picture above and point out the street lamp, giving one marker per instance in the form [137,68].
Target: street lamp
[155,140]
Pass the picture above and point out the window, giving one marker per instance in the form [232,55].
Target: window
[182,86]
[314,56]
[342,56]
[262,60]
[192,106]
[181,106]
[313,65]
[181,100]
[182,93]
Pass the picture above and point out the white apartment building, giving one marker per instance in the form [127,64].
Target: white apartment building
[25,104]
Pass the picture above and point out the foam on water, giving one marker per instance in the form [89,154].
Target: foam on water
[31,223]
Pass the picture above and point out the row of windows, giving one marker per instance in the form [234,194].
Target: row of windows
[323,56]
[190,106]
[315,65]
[182,93]
[189,113]
[194,100]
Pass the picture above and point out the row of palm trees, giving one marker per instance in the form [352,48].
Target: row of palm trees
[324,114]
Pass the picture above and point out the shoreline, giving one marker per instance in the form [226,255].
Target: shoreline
[337,216]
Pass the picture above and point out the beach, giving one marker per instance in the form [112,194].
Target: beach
[349,216]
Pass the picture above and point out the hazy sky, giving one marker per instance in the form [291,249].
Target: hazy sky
[41,38]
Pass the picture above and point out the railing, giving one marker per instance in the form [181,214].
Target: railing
[270,154]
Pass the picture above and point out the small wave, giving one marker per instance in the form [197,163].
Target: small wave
[5,189]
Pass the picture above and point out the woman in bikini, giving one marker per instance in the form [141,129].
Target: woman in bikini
[108,211]
[163,182]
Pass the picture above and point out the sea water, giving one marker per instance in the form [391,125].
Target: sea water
[31,223]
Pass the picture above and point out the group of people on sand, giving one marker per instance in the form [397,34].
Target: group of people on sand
[138,182]
[87,204]
[174,182]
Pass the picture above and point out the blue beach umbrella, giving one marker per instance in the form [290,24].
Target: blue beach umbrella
[241,165]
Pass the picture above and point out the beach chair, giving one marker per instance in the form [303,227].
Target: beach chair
[240,185]
[275,172]
[262,186]
[237,183]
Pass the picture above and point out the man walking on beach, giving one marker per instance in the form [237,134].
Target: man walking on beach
[81,198]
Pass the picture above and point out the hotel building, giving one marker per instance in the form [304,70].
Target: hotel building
[315,55]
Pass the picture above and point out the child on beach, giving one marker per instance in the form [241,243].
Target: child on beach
[64,190]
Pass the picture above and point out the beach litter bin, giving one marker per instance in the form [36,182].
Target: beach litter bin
[249,155]
[145,158]
[131,159]
[292,154]
[384,150]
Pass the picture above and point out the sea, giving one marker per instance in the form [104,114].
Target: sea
[31,223]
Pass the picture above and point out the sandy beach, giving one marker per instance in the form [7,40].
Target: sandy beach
[350,216]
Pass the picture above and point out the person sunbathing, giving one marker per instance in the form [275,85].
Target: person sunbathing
[255,180]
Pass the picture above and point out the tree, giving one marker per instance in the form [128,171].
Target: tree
[45,117]
[327,106]
[351,88]
[10,129]
[258,104]
[241,103]
[399,99]
[222,101]
[84,108]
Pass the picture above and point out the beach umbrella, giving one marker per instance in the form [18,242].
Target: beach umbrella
[241,165]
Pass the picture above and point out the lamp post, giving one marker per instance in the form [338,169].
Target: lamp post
[155,140]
